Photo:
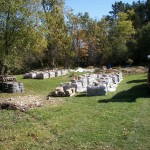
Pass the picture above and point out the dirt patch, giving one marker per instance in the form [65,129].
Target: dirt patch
[24,103]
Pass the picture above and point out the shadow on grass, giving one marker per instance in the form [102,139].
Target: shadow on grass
[137,81]
[82,94]
[140,91]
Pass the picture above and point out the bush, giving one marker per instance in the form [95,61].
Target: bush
[129,61]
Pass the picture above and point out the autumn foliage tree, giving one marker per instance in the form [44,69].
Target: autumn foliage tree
[20,33]
[43,33]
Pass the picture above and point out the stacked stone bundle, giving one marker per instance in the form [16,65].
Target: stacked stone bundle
[64,72]
[9,84]
[12,87]
[52,74]
[58,73]
[96,90]
[45,74]
[30,75]
[92,84]
[78,85]
[63,90]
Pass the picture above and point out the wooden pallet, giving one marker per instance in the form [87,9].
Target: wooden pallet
[7,79]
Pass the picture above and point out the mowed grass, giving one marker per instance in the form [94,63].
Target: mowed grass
[119,120]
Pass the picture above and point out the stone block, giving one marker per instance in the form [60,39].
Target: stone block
[96,90]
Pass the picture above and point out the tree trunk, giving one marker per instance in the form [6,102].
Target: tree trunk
[53,63]
[4,70]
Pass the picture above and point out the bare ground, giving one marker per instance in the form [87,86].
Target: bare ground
[24,103]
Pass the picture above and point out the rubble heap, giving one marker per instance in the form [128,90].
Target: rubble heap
[22,103]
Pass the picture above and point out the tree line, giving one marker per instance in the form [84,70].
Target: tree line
[44,34]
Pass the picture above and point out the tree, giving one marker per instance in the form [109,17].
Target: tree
[103,46]
[140,14]
[120,33]
[117,7]
[78,26]
[143,48]
[19,26]
[56,31]
[91,39]
[148,10]
[99,46]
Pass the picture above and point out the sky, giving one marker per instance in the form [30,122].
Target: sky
[96,8]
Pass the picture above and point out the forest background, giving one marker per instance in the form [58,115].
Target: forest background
[39,34]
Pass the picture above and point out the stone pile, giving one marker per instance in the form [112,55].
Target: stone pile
[9,84]
[45,74]
[83,70]
[93,84]
[13,87]
[60,91]
[134,70]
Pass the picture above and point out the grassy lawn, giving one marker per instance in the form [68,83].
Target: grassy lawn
[118,121]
